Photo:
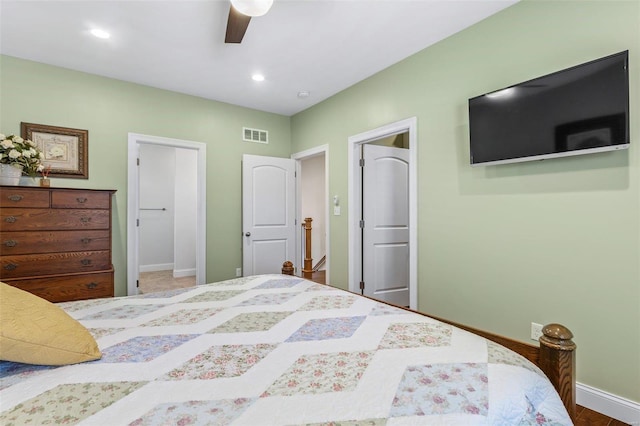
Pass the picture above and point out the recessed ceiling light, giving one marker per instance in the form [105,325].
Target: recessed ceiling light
[257,77]
[100,33]
[303,94]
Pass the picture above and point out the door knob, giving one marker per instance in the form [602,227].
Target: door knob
[247,234]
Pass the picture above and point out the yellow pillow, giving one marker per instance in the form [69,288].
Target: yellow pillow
[35,331]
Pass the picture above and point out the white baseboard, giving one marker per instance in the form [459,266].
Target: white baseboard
[608,404]
[158,267]
[179,273]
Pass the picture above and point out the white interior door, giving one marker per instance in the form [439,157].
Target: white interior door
[385,232]
[268,213]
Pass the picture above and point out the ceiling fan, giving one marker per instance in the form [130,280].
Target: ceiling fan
[240,14]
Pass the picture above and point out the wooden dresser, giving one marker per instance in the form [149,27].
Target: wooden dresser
[56,242]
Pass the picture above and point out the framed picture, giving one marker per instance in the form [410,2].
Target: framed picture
[65,150]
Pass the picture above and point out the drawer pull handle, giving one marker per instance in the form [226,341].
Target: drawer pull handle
[10,266]
[16,197]
[10,243]
[86,262]
[81,200]
[85,240]
[92,285]
[85,219]
[10,219]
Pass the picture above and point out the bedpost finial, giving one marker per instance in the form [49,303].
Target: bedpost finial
[557,336]
[287,268]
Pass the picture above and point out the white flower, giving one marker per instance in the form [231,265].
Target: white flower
[40,168]
[21,153]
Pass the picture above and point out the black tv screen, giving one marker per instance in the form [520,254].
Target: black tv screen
[579,110]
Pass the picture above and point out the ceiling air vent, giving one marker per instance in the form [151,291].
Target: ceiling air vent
[255,135]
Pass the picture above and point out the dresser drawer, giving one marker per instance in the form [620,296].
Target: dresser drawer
[80,200]
[15,219]
[70,287]
[24,265]
[23,197]
[29,242]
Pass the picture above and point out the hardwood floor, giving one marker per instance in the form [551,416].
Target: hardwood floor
[585,417]
[319,277]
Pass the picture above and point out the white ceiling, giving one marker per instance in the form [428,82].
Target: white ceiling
[319,46]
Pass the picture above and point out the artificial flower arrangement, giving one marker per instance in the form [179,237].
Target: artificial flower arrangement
[21,153]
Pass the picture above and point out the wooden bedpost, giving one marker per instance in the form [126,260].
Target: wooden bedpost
[558,361]
[287,268]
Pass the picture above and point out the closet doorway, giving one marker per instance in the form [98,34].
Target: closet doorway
[383,204]
[166,214]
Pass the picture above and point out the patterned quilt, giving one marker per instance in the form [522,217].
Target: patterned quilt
[276,350]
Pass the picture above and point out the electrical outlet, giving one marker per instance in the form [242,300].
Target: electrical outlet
[238,272]
[536,331]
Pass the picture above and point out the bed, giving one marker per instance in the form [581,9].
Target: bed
[281,350]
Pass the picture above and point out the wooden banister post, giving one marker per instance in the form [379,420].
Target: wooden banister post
[307,269]
[558,361]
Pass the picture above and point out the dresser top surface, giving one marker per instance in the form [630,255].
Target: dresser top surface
[50,188]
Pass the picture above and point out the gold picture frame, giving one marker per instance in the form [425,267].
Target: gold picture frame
[66,150]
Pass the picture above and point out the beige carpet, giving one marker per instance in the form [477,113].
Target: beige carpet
[151,282]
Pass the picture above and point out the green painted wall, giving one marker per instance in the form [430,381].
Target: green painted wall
[110,109]
[502,246]
[499,247]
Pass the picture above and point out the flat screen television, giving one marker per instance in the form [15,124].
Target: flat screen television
[580,110]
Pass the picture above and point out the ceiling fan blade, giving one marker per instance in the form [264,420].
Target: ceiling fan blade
[236,26]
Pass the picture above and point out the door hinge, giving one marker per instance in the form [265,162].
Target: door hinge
[137,222]
[361,224]
[362,162]
[137,161]
[137,283]
[361,285]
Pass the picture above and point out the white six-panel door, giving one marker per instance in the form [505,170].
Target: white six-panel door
[268,213]
[385,212]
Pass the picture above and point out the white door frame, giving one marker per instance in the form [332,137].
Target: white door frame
[409,125]
[299,157]
[133,199]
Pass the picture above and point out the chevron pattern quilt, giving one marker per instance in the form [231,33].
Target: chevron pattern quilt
[276,350]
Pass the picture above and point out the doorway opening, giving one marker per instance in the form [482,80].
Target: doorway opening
[312,194]
[166,214]
[383,213]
